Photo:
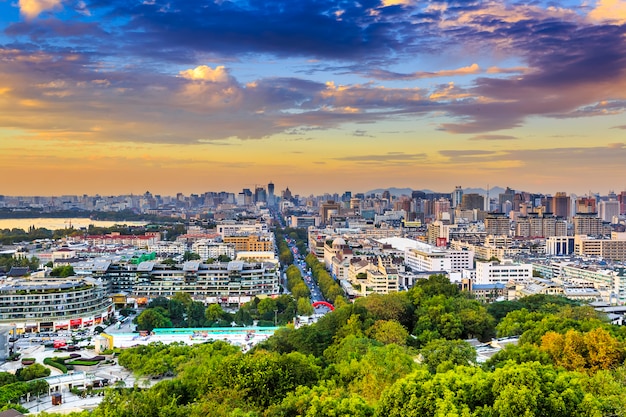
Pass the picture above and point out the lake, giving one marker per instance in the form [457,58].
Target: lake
[57,223]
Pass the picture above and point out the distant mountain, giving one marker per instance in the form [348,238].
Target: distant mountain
[493,191]
[393,191]
[397,192]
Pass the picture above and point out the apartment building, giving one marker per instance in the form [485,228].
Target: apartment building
[251,243]
[42,305]
[611,249]
[425,257]
[505,271]
[234,282]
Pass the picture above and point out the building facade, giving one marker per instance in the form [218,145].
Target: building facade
[50,305]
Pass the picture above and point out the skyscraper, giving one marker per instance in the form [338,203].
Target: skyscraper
[561,203]
[270,195]
[457,195]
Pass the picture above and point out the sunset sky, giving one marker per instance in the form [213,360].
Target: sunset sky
[124,96]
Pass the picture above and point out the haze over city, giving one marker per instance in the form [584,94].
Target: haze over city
[118,97]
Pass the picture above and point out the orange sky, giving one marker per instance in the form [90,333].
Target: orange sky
[527,96]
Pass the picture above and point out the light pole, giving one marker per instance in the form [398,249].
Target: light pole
[275,317]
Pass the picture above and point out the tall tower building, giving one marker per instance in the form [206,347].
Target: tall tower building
[329,208]
[442,206]
[472,201]
[507,195]
[497,224]
[457,196]
[607,210]
[621,198]
[561,203]
[586,205]
[271,199]
[587,224]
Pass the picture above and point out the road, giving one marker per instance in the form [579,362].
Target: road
[305,271]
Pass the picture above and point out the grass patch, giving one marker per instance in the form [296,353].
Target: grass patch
[83,363]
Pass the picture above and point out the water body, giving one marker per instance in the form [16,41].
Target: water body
[58,223]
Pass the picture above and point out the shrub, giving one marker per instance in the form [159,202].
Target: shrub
[51,362]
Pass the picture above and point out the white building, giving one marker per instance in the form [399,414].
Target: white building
[431,258]
[505,271]
[238,229]
[163,247]
[207,249]
[608,209]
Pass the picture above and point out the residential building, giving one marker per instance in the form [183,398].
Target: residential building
[505,271]
[497,224]
[234,282]
[43,305]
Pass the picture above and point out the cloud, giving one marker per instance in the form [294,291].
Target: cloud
[493,137]
[512,70]
[388,157]
[466,152]
[388,75]
[33,8]
[619,127]
[204,73]
[388,3]
[609,10]
[361,133]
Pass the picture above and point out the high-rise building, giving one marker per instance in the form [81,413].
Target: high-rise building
[442,206]
[607,210]
[472,201]
[507,195]
[621,198]
[588,224]
[561,203]
[586,205]
[327,209]
[260,195]
[497,224]
[287,194]
[271,199]
[457,195]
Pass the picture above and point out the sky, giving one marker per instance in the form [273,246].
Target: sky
[123,96]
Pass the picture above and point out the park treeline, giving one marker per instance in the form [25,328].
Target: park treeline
[400,354]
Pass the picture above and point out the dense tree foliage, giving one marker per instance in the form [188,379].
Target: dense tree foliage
[8,261]
[31,372]
[284,253]
[389,355]
[62,271]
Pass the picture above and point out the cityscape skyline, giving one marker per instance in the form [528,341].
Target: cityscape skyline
[115,98]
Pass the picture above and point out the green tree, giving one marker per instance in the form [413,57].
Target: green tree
[304,307]
[191,256]
[213,313]
[31,372]
[195,314]
[388,331]
[152,318]
[441,355]
[183,297]
[224,258]
[62,271]
[267,306]
[7,378]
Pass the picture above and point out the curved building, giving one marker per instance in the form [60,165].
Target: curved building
[53,304]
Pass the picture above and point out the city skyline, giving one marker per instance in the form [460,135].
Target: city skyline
[318,96]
